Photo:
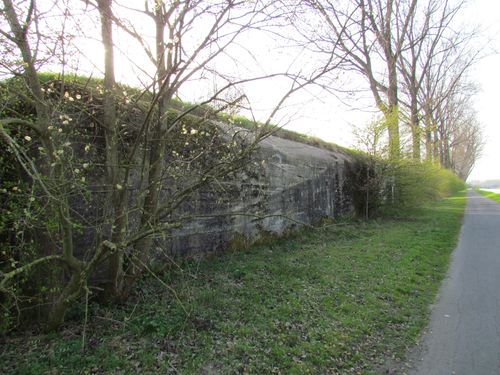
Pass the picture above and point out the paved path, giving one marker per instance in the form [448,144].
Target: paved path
[464,332]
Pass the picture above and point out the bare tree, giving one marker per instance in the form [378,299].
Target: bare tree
[176,61]
[120,174]
[430,25]
[50,175]
[443,82]
[436,59]
[458,135]
[467,147]
[374,39]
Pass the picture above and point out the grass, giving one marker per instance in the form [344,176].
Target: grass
[489,194]
[290,135]
[341,299]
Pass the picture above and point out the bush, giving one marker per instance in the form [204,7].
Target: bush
[376,184]
[416,183]
[55,181]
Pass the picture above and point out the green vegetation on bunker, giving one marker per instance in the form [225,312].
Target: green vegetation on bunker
[340,299]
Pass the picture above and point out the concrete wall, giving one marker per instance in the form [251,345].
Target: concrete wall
[289,182]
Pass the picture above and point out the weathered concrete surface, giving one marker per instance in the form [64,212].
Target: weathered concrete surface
[290,182]
[464,332]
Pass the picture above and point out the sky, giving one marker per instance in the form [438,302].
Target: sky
[312,111]
[487,102]
[323,115]
[320,114]
[333,122]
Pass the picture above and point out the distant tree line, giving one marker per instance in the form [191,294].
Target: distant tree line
[414,57]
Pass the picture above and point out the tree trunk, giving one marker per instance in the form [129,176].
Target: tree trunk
[435,143]
[415,128]
[116,204]
[428,134]
[142,248]
[71,292]
[393,110]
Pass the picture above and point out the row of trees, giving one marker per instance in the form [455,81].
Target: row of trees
[105,167]
[414,57]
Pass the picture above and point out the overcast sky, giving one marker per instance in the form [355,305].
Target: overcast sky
[322,115]
[327,118]
[487,75]
[332,122]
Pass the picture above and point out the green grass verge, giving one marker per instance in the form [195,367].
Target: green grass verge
[489,194]
[337,300]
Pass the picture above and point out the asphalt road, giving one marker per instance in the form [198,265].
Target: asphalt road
[464,332]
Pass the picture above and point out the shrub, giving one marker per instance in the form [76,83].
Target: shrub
[376,184]
[417,183]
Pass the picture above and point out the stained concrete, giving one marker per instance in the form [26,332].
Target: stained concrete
[464,332]
[289,183]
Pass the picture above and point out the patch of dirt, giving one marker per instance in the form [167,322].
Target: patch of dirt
[414,355]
